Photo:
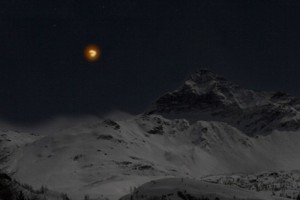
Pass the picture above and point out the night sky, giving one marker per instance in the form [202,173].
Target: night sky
[148,48]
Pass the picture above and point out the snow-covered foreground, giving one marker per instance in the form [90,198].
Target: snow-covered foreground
[183,188]
[276,183]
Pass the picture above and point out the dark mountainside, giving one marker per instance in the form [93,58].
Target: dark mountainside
[208,96]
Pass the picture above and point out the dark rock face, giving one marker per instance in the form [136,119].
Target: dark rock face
[112,124]
[212,96]
[157,130]
[105,137]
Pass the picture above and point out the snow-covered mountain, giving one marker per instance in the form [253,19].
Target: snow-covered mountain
[108,157]
[203,128]
[208,96]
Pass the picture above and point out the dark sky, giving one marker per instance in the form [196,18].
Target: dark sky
[148,48]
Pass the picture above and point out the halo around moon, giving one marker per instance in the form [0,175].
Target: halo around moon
[92,53]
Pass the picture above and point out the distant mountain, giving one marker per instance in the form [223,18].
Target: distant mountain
[208,96]
[205,127]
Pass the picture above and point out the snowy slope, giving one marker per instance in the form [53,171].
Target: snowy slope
[11,147]
[108,157]
[176,189]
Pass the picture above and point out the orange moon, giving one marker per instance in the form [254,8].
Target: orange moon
[92,53]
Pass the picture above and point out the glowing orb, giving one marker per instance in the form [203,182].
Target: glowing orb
[92,53]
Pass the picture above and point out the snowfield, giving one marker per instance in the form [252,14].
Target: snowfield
[183,188]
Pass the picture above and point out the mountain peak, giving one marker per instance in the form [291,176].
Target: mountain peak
[208,96]
[205,75]
[205,81]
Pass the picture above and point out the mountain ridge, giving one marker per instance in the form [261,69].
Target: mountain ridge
[253,112]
